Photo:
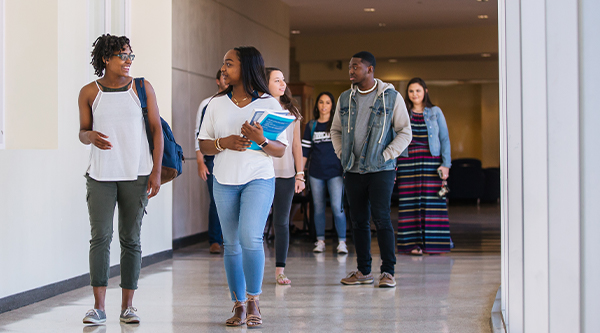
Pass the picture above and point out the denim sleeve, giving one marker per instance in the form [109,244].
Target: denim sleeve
[444,139]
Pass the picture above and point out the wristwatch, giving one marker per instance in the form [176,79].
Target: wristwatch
[264,144]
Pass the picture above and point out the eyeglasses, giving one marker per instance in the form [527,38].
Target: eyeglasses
[125,56]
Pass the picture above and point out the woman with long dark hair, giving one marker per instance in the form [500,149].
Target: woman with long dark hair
[325,171]
[122,170]
[289,175]
[244,178]
[423,225]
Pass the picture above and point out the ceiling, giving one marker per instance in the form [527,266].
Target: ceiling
[314,17]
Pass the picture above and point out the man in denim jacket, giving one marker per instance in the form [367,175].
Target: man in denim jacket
[370,129]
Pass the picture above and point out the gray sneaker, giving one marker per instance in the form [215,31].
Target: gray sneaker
[386,280]
[128,316]
[94,316]
[356,277]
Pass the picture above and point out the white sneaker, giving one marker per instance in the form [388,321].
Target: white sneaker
[342,248]
[320,246]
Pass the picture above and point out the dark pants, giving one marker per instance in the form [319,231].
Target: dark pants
[214,226]
[282,204]
[370,194]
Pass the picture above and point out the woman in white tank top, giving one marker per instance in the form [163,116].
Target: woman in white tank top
[122,170]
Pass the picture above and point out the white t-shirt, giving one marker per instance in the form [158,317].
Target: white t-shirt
[223,118]
[284,166]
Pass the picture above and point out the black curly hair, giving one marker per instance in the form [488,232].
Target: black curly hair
[104,47]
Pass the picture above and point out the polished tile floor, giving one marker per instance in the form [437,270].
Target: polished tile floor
[447,293]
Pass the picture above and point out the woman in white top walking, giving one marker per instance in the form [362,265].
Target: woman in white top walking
[122,170]
[289,176]
[244,178]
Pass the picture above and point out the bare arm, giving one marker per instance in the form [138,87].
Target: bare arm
[86,134]
[202,169]
[157,137]
[298,159]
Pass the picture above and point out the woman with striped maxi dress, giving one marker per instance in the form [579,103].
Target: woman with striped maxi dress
[423,225]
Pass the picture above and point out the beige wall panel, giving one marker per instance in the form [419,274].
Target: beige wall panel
[273,46]
[490,125]
[271,14]
[428,70]
[181,33]
[31,110]
[461,104]
[204,50]
[417,43]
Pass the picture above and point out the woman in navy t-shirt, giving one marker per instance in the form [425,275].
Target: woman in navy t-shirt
[325,171]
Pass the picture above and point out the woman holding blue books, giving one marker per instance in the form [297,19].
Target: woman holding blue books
[244,178]
[289,174]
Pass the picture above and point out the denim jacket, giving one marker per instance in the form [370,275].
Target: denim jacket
[388,134]
[437,135]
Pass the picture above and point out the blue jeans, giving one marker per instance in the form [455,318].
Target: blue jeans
[369,195]
[243,211]
[336,189]
[214,226]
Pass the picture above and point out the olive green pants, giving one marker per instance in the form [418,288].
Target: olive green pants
[102,196]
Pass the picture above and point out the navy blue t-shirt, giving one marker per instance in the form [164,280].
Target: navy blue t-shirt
[324,163]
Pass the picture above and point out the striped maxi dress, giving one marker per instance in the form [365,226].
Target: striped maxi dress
[422,214]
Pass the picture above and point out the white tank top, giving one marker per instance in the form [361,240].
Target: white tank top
[284,166]
[119,116]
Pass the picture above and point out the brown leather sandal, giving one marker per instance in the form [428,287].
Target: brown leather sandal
[239,310]
[253,320]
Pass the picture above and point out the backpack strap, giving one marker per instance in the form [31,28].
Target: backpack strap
[141,90]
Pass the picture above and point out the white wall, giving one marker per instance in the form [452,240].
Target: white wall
[549,157]
[589,70]
[43,214]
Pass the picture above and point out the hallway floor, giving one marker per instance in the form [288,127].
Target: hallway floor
[447,293]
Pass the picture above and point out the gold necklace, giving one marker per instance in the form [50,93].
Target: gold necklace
[236,101]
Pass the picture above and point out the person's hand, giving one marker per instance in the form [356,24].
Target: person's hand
[153,184]
[99,140]
[202,170]
[445,172]
[235,142]
[299,187]
[253,132]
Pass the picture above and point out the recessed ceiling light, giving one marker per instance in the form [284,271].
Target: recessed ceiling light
[482,0]
[295,32]
[382,25]
[369,10]
[482,17]
[393,60]
[486,55]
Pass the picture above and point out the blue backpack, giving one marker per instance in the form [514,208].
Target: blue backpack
[172,154]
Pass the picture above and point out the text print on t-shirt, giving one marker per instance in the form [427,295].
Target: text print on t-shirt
[319,137]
